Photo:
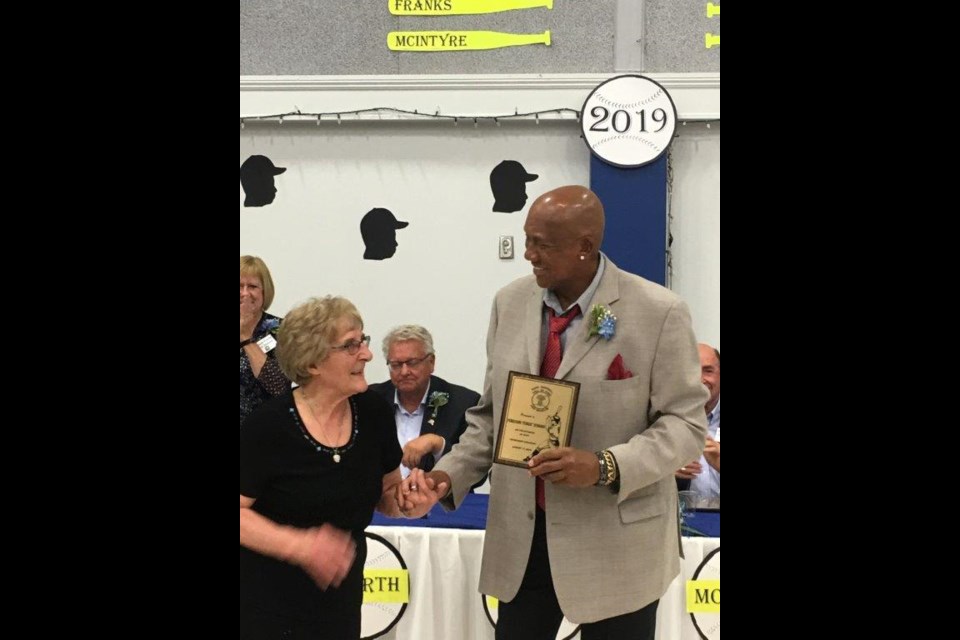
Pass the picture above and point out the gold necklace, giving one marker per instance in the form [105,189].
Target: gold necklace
[340,421]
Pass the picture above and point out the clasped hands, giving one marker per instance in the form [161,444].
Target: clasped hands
[419,491]
[326,553]
[711,452]
[249,318]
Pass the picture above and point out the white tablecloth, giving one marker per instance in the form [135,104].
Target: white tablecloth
[444,567]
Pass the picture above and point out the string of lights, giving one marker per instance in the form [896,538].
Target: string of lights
[393,113]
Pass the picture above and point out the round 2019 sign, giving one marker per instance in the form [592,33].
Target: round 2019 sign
[629,121]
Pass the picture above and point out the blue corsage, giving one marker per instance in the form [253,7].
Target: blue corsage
[271,325]
[602,322]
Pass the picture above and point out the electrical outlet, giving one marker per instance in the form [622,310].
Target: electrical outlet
[506,247]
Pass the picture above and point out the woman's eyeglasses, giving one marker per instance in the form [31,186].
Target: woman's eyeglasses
[353,346]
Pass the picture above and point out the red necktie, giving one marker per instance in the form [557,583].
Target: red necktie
[552,356]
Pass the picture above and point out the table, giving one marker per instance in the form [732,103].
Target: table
[444,569]
[472,514]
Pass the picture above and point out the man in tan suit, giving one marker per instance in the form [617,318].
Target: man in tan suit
[606,543]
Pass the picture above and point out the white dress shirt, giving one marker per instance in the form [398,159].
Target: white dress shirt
[707,484]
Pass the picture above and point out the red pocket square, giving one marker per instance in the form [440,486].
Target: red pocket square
[617,371]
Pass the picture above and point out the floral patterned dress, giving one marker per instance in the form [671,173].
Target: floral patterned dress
[253,390]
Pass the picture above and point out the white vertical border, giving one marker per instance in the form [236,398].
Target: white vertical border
[631,36]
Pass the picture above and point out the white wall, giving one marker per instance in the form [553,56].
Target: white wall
[696,226]
[433,175]
[436,177]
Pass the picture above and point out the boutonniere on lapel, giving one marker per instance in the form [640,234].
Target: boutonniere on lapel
[602,322]
[437,400]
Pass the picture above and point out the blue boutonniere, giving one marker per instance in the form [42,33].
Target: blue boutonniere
[602,322]
[437,400]
[271,325]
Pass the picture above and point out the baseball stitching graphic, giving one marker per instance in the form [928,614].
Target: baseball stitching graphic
[628,121]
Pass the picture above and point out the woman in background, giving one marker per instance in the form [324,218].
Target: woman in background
[260,375]
[314,464]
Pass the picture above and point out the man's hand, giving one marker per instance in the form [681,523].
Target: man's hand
[419,491]
[566,466]
[690,470]
[416,449]
[712,453]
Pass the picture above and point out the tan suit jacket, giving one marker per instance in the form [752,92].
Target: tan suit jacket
[610,554]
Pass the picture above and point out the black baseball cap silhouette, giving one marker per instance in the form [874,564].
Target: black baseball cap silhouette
[380,219]
[259,165]
[508,183]
[256,178]
[512,171]
[378,228]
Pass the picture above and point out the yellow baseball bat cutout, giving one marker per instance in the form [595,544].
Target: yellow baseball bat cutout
[461,7]
[711,40]
[461,40]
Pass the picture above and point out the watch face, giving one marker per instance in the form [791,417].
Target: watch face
[629,121]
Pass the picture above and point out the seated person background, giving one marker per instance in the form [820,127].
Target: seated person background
[429,411]
[703,475]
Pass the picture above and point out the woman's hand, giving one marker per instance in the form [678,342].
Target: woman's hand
[248,321]
[417,494]
[326,553]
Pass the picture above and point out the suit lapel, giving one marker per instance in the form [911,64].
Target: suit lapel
[424,424]
[388,392]
[578,344]
[436,384]
[531,328]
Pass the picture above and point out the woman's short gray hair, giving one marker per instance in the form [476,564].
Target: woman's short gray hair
[408,332]
[308,331]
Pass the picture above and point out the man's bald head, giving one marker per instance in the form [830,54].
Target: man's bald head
[564,230]
[710,373]
[577,209]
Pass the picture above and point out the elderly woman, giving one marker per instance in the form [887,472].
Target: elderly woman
[314,464]
[260,375]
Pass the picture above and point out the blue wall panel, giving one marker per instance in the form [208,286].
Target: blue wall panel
[635,202]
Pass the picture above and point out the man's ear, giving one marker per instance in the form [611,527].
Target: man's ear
[586,245]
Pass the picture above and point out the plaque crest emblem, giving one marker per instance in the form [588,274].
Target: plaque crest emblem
[540,400]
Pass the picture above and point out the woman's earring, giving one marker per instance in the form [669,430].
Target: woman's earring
[583,257]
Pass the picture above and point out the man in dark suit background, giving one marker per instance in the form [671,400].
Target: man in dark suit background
[429,411]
